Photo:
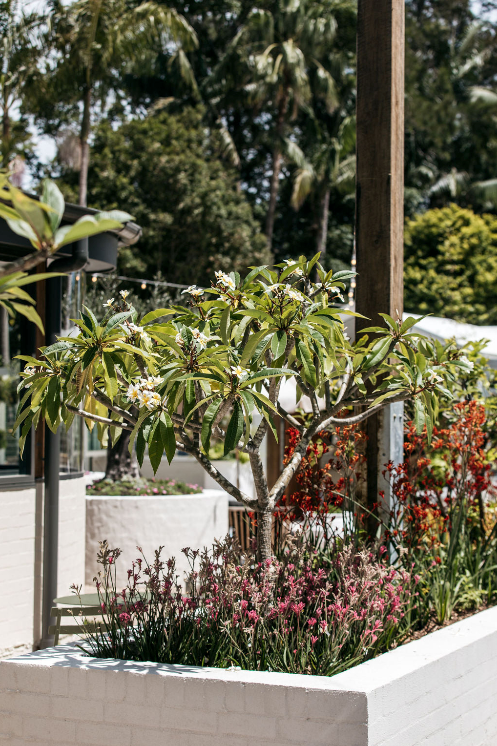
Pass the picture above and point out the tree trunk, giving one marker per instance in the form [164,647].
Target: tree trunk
[121,464]
[85,148]
[276,170]
[322,233]
[264,534]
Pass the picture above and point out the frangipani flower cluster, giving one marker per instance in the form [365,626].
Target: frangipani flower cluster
[143,392]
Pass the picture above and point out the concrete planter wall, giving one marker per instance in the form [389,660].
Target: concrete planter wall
[437,691]
[171,521]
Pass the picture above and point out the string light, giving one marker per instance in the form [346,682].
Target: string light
[77,278]
[140,280]
[353,262]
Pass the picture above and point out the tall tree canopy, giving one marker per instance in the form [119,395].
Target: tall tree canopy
[168,174]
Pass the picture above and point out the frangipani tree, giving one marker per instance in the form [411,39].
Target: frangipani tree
[175,376]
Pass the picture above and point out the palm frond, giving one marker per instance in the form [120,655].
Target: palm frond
[452,183]
[488,189]
[228,147]
[302,186]
[479,94]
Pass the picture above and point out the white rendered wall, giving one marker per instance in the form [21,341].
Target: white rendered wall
[437,691]
[72,519]
[171,521]
[21,557]
[17,569]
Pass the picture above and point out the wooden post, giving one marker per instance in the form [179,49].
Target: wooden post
[380,198]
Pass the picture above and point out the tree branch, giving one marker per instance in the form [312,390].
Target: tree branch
[363,415]
[97,418]
[249,502]
[100,397]
[288,417]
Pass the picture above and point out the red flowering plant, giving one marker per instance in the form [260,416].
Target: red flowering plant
[283,614]
[326,484]
[439,521]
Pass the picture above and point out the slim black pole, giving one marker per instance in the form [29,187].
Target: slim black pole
[52,466]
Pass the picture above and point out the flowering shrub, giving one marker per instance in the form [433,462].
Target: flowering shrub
[440,522]
[286,614]
[440,528]
[174,377]
[324,486]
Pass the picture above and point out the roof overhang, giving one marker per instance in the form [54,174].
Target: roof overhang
[102,249]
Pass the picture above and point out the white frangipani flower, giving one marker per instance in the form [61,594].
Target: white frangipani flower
[124,294]
[434,377]
[467,362]
[133,392]
[109,303]
[272,288]
[200,338]
[225,280]
[179,340]
[294,294]
[145,397]
[134,329]
[297,271]
[194,291]
[148,384]
[153,402]
[238,371]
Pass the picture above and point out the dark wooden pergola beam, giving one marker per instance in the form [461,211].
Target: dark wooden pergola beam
[380,199]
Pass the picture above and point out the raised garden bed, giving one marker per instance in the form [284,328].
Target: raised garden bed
[150,487]
[438,691]
[150,521]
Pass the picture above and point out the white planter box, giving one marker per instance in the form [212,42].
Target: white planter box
[171,521]
[438,691]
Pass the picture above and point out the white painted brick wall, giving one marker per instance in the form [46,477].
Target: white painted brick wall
[21,534]
[17,568]
[437,691]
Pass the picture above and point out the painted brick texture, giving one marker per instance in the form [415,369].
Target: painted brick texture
[17,565]
[21,533]
[438,691]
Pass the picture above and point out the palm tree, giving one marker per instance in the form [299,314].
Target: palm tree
[331,165]
[99,40]
[21,44]
[488,98]
[282,60]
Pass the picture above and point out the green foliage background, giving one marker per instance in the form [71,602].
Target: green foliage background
[451,265]
[194,218]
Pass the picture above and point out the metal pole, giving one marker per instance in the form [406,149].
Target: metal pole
[52,465]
